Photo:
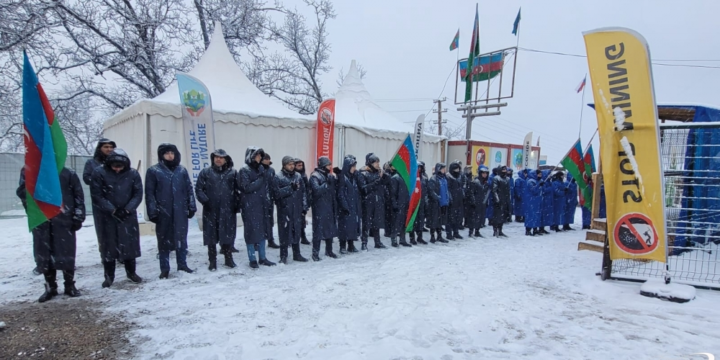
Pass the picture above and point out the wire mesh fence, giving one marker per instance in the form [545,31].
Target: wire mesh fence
[691,164]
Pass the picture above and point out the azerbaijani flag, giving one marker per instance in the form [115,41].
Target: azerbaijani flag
[485,67]
[575,165]
[456,41]
[474,52]
[589,161]
[405,163]
[45,151]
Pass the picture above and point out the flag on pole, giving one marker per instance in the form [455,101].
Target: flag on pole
[456,41]
[589,162]
[581,86]
[516,25]
[405,163]
[45,151]
[575,165]
[474,52]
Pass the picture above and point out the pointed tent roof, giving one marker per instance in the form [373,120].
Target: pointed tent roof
[354,106]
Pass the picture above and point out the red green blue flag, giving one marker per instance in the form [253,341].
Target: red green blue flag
[45,151]
[485,67]
[474,52]
[573,162]
[405,163]
[456,41]
[589,161]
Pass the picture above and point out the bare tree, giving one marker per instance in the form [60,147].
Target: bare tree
[81,121]
[21,21]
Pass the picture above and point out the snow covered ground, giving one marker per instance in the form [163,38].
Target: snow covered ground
[534,298]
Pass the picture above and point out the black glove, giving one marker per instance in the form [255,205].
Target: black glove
[304,213]
[154,219]
[261,169]
[337,171]
[344,211]
[191,213]
[295,185]
[121,214]
[76,225]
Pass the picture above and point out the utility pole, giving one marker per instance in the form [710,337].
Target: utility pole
[440,111]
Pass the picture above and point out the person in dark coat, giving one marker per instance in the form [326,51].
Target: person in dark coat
[117,191]
[215,190]
[532,202]
[400,199]
[511,182]
[324,207]
[439,200]
[270,218]
[389,213]
[349,206]
[571,202]
[501,201]
[54,242]
[419,225]
[548,195]
[559,190]
[468,204]
[480,194]
[300,169]
[102,150]
[252,184]
[455,186]
[290,199]
[371,182]
[491,200]
[518,194]
[170,202]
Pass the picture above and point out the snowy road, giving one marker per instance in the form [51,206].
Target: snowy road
[534,298]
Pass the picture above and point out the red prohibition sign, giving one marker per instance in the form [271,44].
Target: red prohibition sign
[635,234]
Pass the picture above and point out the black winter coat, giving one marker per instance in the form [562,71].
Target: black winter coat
[400,199]
[291,204]
[501,200]
[433,214]
[455,188]
[252,183]
[215,190]
[480,191]
[54,241]
[349,204]
[269,217]
[372,192]
[324,205]
[424,200]
[96,161]
[111,191]
[169,199]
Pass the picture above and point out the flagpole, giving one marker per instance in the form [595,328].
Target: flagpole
[582,106]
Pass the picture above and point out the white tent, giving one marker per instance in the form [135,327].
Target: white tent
[245,116]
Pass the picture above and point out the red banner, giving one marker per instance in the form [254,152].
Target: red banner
[325,129]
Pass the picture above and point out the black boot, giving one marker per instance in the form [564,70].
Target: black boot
[130,266]
[403,242]
[283,254]
[109,267]
[343,244]
[543,231]
[567,227]
[212,257]
[164,274]
[266,262]
[328,249]
[351,247]
[187,269]
[557,228]
[412,238]
[500,232]
[535,232]
[528,232]
[229,262]
[440,238]
[495,231]
[420,238]
[316,250]
[296,254]
[379,244]
[50,286]
[254,265]
[432,236]
[477,233]
[233,249]
[586,227]
[456,234]
[70,289]
[271,244]
[363,246]
[303,238]
[470,233]
[393,242]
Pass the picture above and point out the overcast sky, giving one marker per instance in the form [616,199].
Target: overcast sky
[403,45]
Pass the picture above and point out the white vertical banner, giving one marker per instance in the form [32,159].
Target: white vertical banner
[198,125]
[419,135]
[527,150]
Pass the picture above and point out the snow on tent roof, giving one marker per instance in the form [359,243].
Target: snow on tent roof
[355,107]
[230,90]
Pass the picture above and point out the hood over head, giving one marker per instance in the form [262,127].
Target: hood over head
[221,153]
[438,167]
[421,167]
[569,176]
[298,161]
[98,155]
[370,159]
[455,168]
[348,163]
[250,154]
[118,156]
[165,147]
[545,174]
[483,168]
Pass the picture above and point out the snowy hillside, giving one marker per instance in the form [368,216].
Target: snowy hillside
[534,298]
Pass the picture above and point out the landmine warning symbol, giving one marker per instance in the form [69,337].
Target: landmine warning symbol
[635,234]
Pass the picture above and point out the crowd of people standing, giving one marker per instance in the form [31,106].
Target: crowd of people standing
[351,202]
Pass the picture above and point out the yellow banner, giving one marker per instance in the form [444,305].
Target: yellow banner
[622,84]
[480,156]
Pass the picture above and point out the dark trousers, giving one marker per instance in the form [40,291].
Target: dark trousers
[180,257]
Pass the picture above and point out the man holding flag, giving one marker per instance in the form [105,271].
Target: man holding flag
[50,193]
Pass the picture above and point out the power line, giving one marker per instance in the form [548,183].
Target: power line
[656,62]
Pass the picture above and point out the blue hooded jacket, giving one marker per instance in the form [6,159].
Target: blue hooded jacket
[519,193]
[571,200]
[559,200]
[532,200]
[547,199]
